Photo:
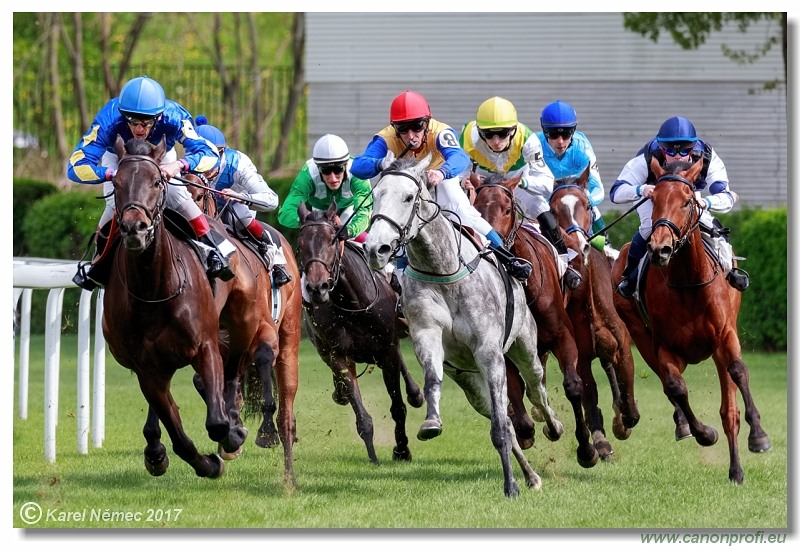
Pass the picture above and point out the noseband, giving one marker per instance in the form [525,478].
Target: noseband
[515,225]
[572,228]
[333,270]
[153,216]
[403,231]
[680,236]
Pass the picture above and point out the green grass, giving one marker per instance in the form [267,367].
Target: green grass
[454,481]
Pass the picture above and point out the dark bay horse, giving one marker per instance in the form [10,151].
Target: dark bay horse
[161,314]
[464,313]
[688,313]
[494,199]
[275,350]
[599,331]
[351,318]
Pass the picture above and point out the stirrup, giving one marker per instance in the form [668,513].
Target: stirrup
[738,279]
[82,279]
[218,268]
[519,269]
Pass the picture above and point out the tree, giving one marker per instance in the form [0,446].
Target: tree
[691,29]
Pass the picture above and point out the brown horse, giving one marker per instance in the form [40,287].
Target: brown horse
[688,313]
[351,318]
[599,331]
[162,313]
[494,199]
[279,334]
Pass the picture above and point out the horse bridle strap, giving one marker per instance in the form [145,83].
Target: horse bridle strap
[154,216]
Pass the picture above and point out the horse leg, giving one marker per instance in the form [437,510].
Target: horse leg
[594,416]
[391,379]
[286,377]
[532,480]
[670,368]
[430,355]
[344,373]
[161,403]
[264,359]
[156,459]
[575,362]
[524,429]
[413,392]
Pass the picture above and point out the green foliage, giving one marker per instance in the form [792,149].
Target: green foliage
[59,225]
[622,231]
[26,192]
[762,240]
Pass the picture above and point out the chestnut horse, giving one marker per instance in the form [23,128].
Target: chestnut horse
[494,199]
[599,331]
[351,318]
[281,313]
[162,313]
[688,313]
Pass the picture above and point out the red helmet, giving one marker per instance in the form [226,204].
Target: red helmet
[409,106]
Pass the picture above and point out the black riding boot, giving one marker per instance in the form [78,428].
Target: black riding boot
[737,278]
[636,252]
[279,274]
[551,230]
[90,275]
[217,261]
[516,267]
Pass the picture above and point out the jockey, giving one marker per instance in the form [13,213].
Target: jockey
[326,177]
[142,111]
[567,152]
[498,143]
[413,130]
[676,141]
[237,175]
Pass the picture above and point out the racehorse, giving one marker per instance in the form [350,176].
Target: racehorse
[162,313]
[688,312]
[463,312]
[494,199]
[351,318]
[599,331]
[280,318]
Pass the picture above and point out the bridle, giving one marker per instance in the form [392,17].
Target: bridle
[572,228]
[153,216]
[335,268]
[516,217]
[403,231]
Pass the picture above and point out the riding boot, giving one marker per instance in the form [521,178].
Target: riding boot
[636,252]
[518,268]
[266,241]
[217,260]
[89,276]
[737,278]
[552,232]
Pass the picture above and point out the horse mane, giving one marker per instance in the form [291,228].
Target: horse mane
[135,146]
[495,178]
[677,166]
[403,163]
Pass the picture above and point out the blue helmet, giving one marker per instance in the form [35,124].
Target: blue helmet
[677,129]
[142,97]
[558,115]
[211,133]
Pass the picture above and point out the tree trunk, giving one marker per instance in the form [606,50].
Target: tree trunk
[296,92]
[54,30]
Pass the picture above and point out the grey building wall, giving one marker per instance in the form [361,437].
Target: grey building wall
[621,84]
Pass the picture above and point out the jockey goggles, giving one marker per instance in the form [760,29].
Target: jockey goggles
[554,133]
[675,151]
[146,123]
[502,133]
[328,169]
[410,126]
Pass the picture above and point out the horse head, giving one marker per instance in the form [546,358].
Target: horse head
[401,205]
[320,250]
[676,211]
[569,203]
[139,191]
[494,199]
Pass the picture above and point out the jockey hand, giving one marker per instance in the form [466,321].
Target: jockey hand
[647,190]
[434,176]
[231,195]
[172,169]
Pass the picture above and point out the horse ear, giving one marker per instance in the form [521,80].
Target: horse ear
[694,171]
[583,179]
[333,210]
[513,182]
[302,212]
[160,149]
[655,166]
[119,146]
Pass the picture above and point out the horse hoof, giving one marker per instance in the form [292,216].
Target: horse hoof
[267,439]
[229,455]
[416,399]
[589,458]
[555,433]
[404,454]
[512,490]
[604,449]
[429,429]
[338,398]
[158,469]
[525,443]
[708,437]
[218,466]
[620,431]
[759,444]
[682,431]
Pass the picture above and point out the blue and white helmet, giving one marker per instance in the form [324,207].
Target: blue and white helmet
[676,130]
[142,97]
[211,133]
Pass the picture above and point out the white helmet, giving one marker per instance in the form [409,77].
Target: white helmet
[330,149]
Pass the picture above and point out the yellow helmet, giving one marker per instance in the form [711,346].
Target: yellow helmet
[496,112]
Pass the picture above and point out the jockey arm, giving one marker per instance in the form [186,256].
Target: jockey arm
[301,190]
[631,182]
[198,154]
[537,178]
[456,159]
[362,193]
[720,198]
[368,164]
[249,182]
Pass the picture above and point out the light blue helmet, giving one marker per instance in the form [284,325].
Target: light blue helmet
[558,115]
[211,133]
[676,129]
[142,97]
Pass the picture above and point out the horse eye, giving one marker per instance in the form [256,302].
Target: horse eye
[408,198]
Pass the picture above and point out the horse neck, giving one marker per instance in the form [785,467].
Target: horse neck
[690,266]
[352,289]
[150,274]
[435,249]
